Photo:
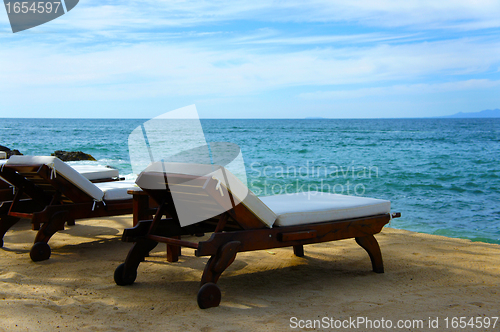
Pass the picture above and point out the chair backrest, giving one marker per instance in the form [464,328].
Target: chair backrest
[29,166]
[200,192]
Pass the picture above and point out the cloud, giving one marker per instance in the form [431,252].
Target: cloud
[399,90]
[201,63]
[130,15]
[149,69]
[217,50]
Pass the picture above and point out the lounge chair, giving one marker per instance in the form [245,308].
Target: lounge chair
[93,173]
[51,193]
[246,222]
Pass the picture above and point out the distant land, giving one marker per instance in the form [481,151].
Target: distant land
[460,115]
[483,114]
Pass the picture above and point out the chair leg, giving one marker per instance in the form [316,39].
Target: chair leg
[298,250]
[6,222]
[50,227]
[219,262]
[126,273]
[40,250]
[370,244]
[173,252]
[139,250]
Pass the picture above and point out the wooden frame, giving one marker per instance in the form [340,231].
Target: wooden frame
[49,202]
[6,191]
[236,230]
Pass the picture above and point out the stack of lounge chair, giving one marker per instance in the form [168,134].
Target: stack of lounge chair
[190,199]
[51,193]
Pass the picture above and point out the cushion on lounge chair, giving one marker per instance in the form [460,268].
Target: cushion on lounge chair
[314,207]
[116,190]
[96,172]
[283,210]
[62,169]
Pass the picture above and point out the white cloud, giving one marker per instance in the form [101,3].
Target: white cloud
[273,39]
[399,90]
[150,69]
[133,50]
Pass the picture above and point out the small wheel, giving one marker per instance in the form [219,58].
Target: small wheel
[40,252]
[122,278]
[209,296]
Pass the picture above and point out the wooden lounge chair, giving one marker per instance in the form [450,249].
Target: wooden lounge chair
[246,222]
[93,173]
[52,193]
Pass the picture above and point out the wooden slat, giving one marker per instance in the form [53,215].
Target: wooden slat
[260,239]
[294,236]
[172,241]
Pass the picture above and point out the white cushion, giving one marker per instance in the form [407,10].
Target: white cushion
[314,207]
[3,155]
[96,172]
[62,169]
[116,190]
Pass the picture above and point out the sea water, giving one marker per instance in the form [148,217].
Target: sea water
[443,175]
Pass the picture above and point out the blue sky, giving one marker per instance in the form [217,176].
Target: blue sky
[255,59]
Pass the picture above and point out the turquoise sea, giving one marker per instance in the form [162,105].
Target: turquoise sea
[443,175]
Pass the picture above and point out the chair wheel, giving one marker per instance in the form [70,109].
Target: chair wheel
[122,278]
[209,296]
[40,252]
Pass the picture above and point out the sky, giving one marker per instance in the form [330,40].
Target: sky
[255,59]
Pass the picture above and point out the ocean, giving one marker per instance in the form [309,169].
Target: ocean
[443,175]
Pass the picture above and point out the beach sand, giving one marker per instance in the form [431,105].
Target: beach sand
[425,277]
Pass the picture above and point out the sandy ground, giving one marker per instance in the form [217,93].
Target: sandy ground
[427,277]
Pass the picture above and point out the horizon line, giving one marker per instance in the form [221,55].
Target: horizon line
[306,118]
